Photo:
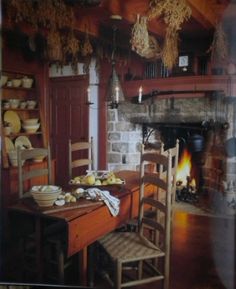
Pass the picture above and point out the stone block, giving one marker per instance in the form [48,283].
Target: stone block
[120,147]
[125,126]
[114,136]
[114,158]
[110,126]
[111,115]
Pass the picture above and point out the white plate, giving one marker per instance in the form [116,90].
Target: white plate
[9,144]
[23,142]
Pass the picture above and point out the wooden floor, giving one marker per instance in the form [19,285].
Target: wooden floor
[203,253]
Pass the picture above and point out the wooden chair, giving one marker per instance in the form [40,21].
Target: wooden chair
[77,157]
[54,245]
[24,175]
[134,248]
[174,165]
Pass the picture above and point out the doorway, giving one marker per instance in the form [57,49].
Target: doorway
[69,118]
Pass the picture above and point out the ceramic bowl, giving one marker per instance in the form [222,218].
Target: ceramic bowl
[16,82]
[27,82]
[14,103]
[31,128]
[30,121]
[4,79]
[38,159]
[31,104]
[23,104]
[45,195]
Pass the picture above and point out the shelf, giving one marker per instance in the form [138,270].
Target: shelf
[21,109]
[18,88]
[23,94]
[185,84]
[23,133]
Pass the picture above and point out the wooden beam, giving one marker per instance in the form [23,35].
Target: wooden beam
[207,12]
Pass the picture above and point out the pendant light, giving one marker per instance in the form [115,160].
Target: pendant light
[115,93]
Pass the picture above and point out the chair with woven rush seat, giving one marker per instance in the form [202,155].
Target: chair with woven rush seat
[53,248]
[133,250]
[29,154]
[77,157]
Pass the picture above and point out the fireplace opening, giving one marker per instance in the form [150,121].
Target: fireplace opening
[192,142]
[187,178]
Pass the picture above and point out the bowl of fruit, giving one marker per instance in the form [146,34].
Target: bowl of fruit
[97,179]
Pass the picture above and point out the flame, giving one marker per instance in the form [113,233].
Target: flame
[184,168]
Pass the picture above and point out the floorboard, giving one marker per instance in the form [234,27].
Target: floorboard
[203,253]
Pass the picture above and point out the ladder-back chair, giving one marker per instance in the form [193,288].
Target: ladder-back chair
[34,172]
[134,248]
[54,245]
[77,157]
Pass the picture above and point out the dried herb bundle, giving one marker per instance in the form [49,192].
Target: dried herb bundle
[49,14]
[175,12]
[87,48]
[55,46]
[170,49]
[219,46]
[139,35]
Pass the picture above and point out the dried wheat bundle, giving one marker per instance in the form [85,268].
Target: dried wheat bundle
[20,10]
[170,48]
[71,45]
[139,35]
[175,12]
[153,51]
[219,46]
[87,48]
[54,46]
[51,14]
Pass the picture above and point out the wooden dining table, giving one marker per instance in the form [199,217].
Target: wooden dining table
[86,221]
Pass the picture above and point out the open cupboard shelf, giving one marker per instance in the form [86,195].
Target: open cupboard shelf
[19,104]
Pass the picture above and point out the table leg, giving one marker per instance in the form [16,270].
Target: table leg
[83,266]
[91,264]
[39,249]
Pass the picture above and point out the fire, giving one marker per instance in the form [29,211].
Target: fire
[184,169]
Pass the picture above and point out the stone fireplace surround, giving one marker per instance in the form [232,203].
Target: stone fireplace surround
[211,115]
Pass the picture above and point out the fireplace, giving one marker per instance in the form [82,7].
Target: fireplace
[207,121]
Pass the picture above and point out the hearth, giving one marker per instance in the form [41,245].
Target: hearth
[195,155]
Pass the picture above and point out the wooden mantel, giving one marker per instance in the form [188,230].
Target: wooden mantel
[193,84]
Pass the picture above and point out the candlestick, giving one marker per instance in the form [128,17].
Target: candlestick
[117,94]
[140,94]
[88,95]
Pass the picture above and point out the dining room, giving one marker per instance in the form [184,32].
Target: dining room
[95,96]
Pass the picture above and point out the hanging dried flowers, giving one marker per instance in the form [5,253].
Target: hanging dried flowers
[49,14]
[170,49]
[86,47]
[54,46]
[175,12]
[71,50]
[139,35]
[219,46]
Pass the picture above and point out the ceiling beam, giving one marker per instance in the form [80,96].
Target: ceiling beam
[208,12]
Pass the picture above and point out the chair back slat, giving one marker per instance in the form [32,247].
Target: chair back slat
[34,174]
[154,180]
[27,155]
[153,224]
[77,161]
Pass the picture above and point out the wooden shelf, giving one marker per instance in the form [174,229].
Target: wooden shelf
[191,85]
[38,138]
[21,109]
[23,133]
